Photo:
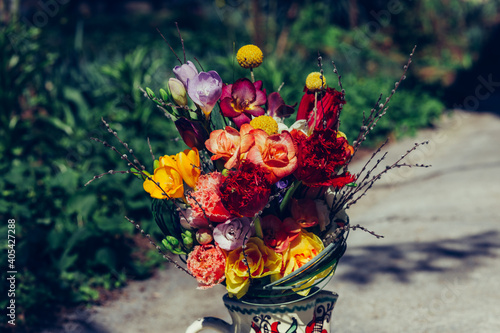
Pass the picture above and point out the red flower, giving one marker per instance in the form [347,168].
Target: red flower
[304,212]
[321,157]
[208,265]
[276,106]
[246,191]
[242,100]
[205,201]
[328,107]
[278,234]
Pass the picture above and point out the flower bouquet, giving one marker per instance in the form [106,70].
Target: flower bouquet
[255,204]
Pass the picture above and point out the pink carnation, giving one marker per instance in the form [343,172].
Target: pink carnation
[207,195]
[208,264]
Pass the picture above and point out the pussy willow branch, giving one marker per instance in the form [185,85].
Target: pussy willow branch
[171,105]
[339,77]
[376,115]
[366,185]
[124,144]
[136,164]
[337,232]
[110,172]
[164,255]
[151,150]
[342,96]
[348,193]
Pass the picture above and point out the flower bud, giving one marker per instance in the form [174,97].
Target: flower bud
[193,133]
[185,72]
[187,239]
[177,91]
[204,236]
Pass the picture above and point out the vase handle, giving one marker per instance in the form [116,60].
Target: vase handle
[209,322]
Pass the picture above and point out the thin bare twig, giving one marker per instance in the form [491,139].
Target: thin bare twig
[164,255]
[182,41]
[171,49]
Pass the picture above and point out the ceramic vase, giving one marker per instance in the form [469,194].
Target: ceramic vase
[312,314]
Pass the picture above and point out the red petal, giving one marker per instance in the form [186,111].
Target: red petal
[260,99]
[256,111]
[241,119]
[258,85]
[226,91]
[306,106]
[227,109]
[243,90]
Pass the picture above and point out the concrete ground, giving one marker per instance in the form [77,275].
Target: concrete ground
[435,270]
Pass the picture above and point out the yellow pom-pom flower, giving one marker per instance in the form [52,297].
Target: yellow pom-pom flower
[315,81]
[265,123]
[249,56]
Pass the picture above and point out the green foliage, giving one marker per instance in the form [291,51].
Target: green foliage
[71,241]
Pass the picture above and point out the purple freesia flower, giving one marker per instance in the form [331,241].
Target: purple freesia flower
[233,233]
[243,99]
[276,106]
[205,89]
[185,72]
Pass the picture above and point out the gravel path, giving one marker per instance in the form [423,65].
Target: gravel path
[435,270]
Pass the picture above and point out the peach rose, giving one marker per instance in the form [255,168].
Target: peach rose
[230,145]
[276,153]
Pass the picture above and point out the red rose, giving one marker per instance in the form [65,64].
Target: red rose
[246,191]
[321,157]
[327,108]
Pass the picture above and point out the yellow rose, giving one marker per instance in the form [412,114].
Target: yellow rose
[302,249]
[262,260]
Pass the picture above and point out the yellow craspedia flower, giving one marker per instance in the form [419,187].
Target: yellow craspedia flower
[341,134]
[249,56]
[315,81]
[265,123]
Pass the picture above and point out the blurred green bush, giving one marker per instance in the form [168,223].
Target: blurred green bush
[72,241]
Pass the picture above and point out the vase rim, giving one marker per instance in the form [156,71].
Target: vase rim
[278,301]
